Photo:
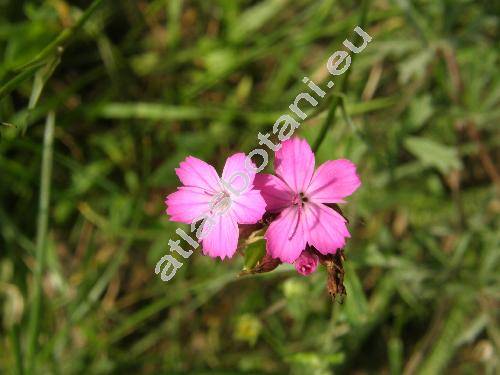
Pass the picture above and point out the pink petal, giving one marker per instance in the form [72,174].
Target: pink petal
[195,172]
[187,204]
[285,236]
[221,239]
[326,228]
[248,208]
[333,180]
[234,172]
[294,163]
[275,192]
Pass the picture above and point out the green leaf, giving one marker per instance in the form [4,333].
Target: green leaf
[420,111]
[356,306]
[255,17]
[434,154]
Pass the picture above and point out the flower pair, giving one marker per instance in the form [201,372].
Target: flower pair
[297,197]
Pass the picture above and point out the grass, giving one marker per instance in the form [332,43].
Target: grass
[41,239]
[100,101]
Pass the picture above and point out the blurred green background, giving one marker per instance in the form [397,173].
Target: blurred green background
[100,101]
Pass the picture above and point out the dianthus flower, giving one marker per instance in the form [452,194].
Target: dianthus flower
[300,195]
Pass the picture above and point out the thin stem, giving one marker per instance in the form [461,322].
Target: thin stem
[63,37]
[14,337]
[55,47]
[18,79]
[41,238]
[343,87]
[41,78]
[326,125]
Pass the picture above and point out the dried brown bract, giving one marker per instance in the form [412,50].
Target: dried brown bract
[335,274]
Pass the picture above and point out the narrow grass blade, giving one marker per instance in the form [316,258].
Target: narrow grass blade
[41,238]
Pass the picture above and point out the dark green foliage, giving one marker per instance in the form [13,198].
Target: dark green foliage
[133,87]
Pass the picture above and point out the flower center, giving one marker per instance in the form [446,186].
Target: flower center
[300,199]
[303,198]
[221,202]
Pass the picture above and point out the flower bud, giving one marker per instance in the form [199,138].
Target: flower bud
[306,263]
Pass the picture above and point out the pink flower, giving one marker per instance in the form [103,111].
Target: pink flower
[221,203]
[300,195]
[306,263]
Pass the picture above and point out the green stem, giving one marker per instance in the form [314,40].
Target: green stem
[41,238]
[55,47]
[326,125]
[343,87]
[14,337]
[63,38]
[18,79]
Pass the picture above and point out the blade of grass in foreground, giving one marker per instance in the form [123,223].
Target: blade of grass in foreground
[41,239]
